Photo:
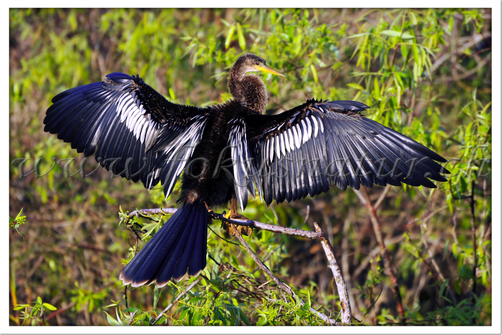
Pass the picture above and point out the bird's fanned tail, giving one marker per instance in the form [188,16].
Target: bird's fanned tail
[179,246]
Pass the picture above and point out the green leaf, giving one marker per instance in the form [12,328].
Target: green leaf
[112,321]
[463,184]
[240,37]
[314,72]
[416,55]
[230,34]
[458,289]
[218,315]
[156,296]
[468,133]
[376,89]
[412,250]
[393,33]
[49,306]
[171,94]
[413,18]
[443,286]
[356,86]
[404,51]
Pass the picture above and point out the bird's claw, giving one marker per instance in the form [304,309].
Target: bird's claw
[231,228]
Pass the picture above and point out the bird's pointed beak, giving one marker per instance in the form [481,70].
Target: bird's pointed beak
[265,68]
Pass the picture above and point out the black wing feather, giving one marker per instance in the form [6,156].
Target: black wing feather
[318,143]
[133,131]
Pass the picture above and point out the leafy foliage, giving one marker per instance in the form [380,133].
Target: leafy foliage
[17,221]
[424,72]
[34,315]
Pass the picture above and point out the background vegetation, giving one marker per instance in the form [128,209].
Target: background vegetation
[425,73]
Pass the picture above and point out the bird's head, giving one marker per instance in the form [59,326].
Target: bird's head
[252,63]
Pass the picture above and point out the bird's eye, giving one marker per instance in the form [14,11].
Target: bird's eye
[257,63]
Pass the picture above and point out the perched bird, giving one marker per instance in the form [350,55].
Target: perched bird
[226,150]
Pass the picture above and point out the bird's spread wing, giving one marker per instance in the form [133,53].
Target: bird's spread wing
[301,151]
[133,130]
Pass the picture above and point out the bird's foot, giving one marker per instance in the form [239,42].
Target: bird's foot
[231,228]
[209,210]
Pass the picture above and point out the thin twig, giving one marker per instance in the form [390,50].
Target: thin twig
[373,253]
[346,264]
[143,212]
[267,257]
[60,311]
[221,237]
[431,262]
[370,307]
[474,247]
[176,300]
[125,296]
[132,317]
[382,196]
[363,196]
[426,217]
[337,274]
[475,40]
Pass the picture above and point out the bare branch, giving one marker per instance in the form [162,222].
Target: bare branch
[364,263]
[60,311]
[474,244]
[132,317]
[382,196]
[267,257]
[337,274]
[176,300]
[145,212]
[346,264]
[363,196]
[264,226]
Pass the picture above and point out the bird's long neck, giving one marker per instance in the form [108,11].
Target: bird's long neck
[249,90]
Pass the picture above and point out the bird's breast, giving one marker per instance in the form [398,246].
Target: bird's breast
[208,175]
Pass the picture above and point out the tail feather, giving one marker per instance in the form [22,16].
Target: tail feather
[182,264]
[197,261]
[194,249]
[170,265]
[152,256]
[163,273]
[180,244]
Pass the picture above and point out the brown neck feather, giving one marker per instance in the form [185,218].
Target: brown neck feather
[249,90]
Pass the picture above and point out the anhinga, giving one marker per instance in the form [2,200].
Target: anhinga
[136,133]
